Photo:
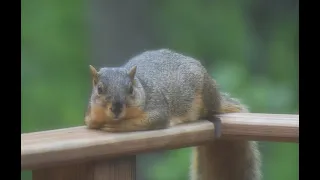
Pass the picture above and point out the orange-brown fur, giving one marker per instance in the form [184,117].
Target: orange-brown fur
[230,108]
[220,159]
[95,116]
[133,112]
[132,123]
[99,116]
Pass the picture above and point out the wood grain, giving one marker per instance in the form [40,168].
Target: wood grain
[79,144]
[111,169]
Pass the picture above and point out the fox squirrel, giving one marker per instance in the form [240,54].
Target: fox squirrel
[162,88]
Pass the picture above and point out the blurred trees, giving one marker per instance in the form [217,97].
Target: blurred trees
[250,47]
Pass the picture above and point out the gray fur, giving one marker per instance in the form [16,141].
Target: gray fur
[169,77]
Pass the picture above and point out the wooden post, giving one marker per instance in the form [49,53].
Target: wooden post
[112,169]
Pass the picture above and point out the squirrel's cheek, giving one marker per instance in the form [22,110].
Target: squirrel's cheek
[98,115]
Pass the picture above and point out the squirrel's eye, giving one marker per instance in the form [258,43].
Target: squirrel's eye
[130,89]
[100,89]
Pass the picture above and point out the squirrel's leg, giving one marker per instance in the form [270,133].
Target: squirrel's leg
[212,101]
[147,121]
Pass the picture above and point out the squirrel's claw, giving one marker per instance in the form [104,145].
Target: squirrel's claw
[217,126]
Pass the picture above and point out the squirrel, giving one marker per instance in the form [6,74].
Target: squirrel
[162,88]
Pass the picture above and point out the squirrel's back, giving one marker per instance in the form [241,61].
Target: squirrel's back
[174,79]
[158,66]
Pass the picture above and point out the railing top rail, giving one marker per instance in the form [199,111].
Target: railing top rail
[39,149]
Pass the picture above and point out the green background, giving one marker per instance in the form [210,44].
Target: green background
[250,47]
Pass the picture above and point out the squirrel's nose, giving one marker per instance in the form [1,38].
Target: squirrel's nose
[116,108]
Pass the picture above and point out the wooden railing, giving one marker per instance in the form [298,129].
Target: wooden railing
[81,154]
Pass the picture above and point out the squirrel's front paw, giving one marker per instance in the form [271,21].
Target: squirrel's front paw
[136,124]
[122,126]
[93,123]
[113,127]
[89,123]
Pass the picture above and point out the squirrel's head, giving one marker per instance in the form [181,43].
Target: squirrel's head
[114,88]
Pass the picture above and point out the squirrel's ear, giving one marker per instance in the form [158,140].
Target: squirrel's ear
[132,72]
[94,74]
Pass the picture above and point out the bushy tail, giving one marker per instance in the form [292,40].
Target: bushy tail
[227,159]
[231,105]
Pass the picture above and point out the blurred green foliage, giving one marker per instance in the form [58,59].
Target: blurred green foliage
[259,68]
